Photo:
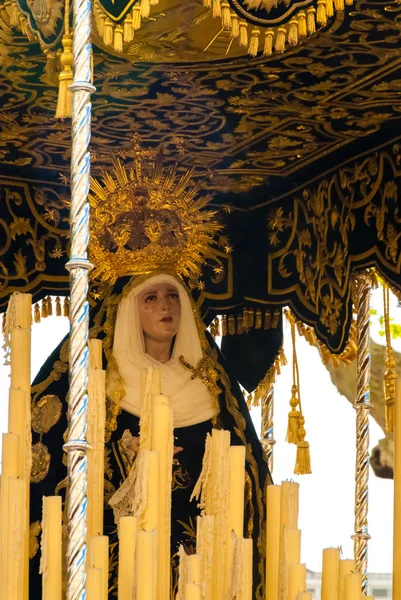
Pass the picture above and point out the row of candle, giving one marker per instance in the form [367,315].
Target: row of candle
[16,455]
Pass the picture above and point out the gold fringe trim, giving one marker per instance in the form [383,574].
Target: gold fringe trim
[248,319]
[274,39]
[255,398]
[390,374]
[345,358]
[46,309]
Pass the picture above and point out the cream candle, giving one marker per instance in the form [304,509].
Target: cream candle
[345,566]
[94,583]
[352,586]
[15,566]
[152,514]
[51,561]
[330,573]
[273,508]
[146,570]
[296,580]
[126,557]
[99,558]
[192,591]
[397,495]
[163,443]
[95,353]
[288,520]
[95,437]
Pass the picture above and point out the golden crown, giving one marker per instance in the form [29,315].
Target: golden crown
[147,218]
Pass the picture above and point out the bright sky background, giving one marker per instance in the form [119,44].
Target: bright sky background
[326,496]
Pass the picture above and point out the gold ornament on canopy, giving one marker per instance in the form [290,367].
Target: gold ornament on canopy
[147,217]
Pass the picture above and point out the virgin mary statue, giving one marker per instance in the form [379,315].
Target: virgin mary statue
[148,320]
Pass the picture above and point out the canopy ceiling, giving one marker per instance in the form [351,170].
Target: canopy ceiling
[301,151]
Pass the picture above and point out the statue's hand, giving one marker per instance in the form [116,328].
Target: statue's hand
[134,447]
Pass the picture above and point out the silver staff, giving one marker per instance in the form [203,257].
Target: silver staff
[78,267]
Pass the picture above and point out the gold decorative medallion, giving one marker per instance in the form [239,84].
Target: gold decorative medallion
[34,530]
[46,413]
[40,462]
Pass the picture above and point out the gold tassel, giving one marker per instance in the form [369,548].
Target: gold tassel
[207,3]
[36,313]
[390,375]
[49,306]
[254,42]
[225,15]
[118,38]
[280,39]
[293,418]
[276,319]
[234,25]
[258,319]
[268,320]
[224,325]
[268,46]
[145,9]
[64,100]
[310,21]
[108,32]
[66,307]
[58,307]
[240,325]
[329,8]
[339,4]
[293,32]
[43,312]
[350,2]
[128,34]
[25,29]
[251,318]
[303,463]
[136,18]
[321,16]
[231,325]
[302,32]
[216,8]
[243,33]
[245,319]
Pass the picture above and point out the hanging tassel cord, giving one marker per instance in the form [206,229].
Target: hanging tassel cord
[295,403]
[390,375]
[64,100]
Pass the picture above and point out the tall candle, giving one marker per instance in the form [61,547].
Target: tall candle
[126,557]
[237,490]
[330,572]
[192,591]
[95,437]
[151,517]
[352,586]
[150,383]
[345,566]
[291,548]
[194,569]
[304,596]
[99,558]
[10,469]
[163,443]
[288,520]
[243,571]
[18,326]
[15,573]
[397,495]
[296,580]
[273,505]
[51,560]
[94,583]
[205,549]
[146,570]
[95,353]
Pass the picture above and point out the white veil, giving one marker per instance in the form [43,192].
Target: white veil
[191,400]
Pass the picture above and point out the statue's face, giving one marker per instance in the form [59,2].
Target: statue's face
[160,311]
